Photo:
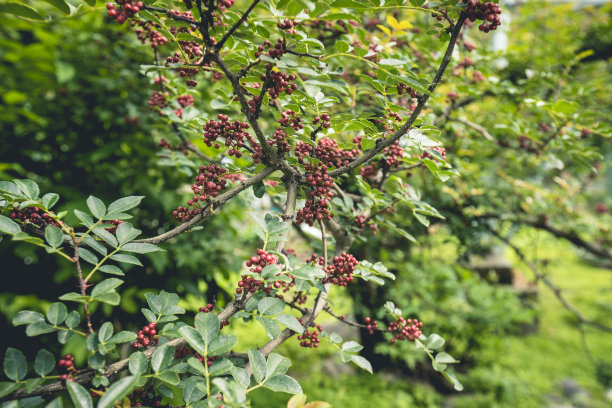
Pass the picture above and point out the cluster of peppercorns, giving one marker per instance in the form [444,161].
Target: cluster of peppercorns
[279,82]
[141,398]
[601,208]
[34,215]
[288,25]
[225,4]
[207,309]
[371,325]
[324,119]
[257,263]
[340,272]
[317,205]
[405,89]
[451,96]
[290,118]
[487,11]
[369,172]
[477,77]
[126,10]
[234,134]
[114,223]
[68,363]
[158,100]
[208,183]
[393,154]
[310,338]
[327,151]
[439,149]
[147,336]
[361,221]
[405,329]
[187,73]
[185,100]
[146,30]
[469,46]
[273,52]
[279,138]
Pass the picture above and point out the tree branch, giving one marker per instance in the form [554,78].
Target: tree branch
[422,101]
[236,25]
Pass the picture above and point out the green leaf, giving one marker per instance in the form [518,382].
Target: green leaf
[57,313]
[15,366]
[126,232]
[73,319]
[139,363]
[59,4]
[162,357]
[451,377]
[105,287]
[111,269]
[74,297]
[434,342]
[28,187]
[96,207]
[258,365]
[38,328]
[140,248]
[259,189]
[88,256]
[277,365]
[27,317]
[124,204]
[91,3]
[272,328]
[194,339]
[106,332]
[207,325]
[79,395]
[392,62]
[44,363]
[445,358]
[123,337]
[8,226]
[352,347]
[49,199]
[117,391]
[84,217]
[106,236]
[126,259]
[362,362]
[342,46]
[169,376]
[271,306]
[54,236]
[191,393]
[7,387]
[222,344]
[283,383]
[220,367]
[291,322]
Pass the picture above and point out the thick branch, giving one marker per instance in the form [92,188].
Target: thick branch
[422,101]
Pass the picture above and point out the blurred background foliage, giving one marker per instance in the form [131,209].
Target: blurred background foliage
[74,118]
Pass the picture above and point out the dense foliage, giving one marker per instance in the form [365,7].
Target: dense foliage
[361,131]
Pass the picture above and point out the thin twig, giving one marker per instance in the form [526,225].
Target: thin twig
[236,25]
[82,283]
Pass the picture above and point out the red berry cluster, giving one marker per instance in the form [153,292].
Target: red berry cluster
[288,25]
[158,100]
[601,208]
[34,215]
[324,119]
[126,10]
[361,221]
[487,11]
[327,150]
[405,89]
[147,336]
[469,46]
[207,309]
[234,134]
[183,72]
[451,96]
[403,329]
[438,149]
[369,172]
[185,100]
[225,4]
[257,263]
[477,77]
[146,30]
[274,52]
[68,363]
[279,138]
[310,338]
[371,325]
[340,272]
[208,183]
[141,398]
[279,82]
[115,224]
[393,154]
[317,205]
[290,118]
